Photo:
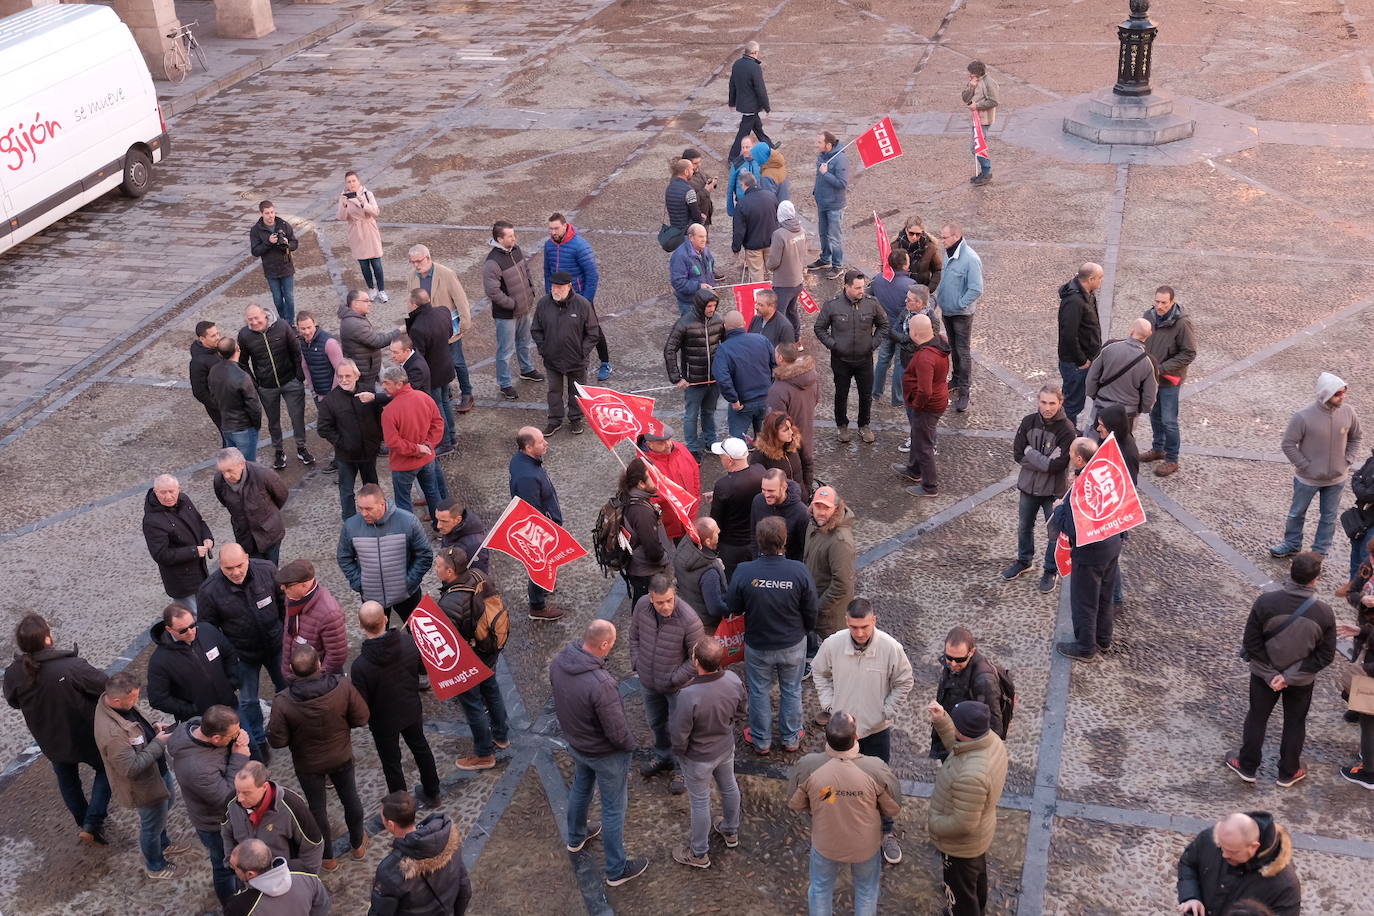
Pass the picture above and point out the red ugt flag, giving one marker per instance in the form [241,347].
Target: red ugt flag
[452,665]
[614,416]
[1103,498]
[682,503]
[744,299]
[878,144]
[1063,554]
[534,539]
[884,246]
[807,302]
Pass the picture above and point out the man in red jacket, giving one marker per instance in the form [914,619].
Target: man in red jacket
[412,427]
[313,618]
[925,387]
[673,459]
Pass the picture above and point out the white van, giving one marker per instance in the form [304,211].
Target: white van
[78,115]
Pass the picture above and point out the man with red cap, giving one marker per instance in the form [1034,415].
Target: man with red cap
[678,465]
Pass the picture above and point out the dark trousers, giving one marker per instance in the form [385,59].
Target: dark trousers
[388,743]
[1090,594]
[558,382]
[747,122]
[958,330]
[312,786]
[733,555]
[349,472]
[879,744]
[403,608]
[293,393]
[921,463]
[213,413]
[485,710]
[220,872]
[658,708]
[1366,740]
[1027,509]
[639,587]
[966,884]
[603,351]
[1263,699]
[861,374]
[537,596]
[1075,389]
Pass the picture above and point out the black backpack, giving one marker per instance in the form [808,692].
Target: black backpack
[610,546]
[1006,693]
[1362,482]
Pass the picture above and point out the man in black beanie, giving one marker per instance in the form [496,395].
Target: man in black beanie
[963,805]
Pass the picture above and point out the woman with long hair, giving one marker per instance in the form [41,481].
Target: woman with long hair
[778,445]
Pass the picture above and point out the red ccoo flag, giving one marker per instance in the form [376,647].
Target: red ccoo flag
[744,299]
[884,247]
[682,503]
[878,144]
[1103,497]
[615,417]
[451,663]
[807,302]
[535,540]
[980,142]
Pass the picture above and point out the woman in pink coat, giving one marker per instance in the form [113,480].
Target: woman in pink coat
[358,206]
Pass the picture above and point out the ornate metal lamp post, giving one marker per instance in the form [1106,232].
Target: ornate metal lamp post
[1137,36]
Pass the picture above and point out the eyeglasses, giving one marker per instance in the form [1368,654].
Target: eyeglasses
[182,631]
[913,233]
[957,659]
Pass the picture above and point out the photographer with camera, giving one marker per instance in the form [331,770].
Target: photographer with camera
[273,240]
[358,207]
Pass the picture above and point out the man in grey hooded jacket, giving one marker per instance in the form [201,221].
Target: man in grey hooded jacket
[272,889]
[1322,441]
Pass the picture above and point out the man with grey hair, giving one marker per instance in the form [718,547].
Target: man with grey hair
[413,428]
[1080,335]
[445,291]
[776,328]
[177,538]
[961,283]
[691,268]
[362,342]
[272,353]
[351,420]
[748,96]
[253,496]
[1123,374]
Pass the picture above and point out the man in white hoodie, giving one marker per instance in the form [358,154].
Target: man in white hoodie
[272,889]
[1322,441]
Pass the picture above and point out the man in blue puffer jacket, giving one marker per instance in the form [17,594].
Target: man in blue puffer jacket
[566,250]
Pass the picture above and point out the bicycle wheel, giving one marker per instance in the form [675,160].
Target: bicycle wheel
[175,63]
[200,55]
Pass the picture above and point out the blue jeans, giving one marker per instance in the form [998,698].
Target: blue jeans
[486,714]
[441,399]
[1076,391]
[513,339]
[1164,422]
[88,815]
[867,876]
[431,481]
[152,828]
[699,407]
[284,297]
[245,440]
[536,594]
[1330,501]
[349,472]
[984,162]
[250,674]
[699,777]
[460,367]
[658,707]
[611,774]
[372,273]
[761,667]
[787,304]
[1028,508]
[749,420]
[222,875]
[888,355]
[829,225]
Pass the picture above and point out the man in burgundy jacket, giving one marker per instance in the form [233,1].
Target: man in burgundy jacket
[313,618]
[925,388]
[412,427]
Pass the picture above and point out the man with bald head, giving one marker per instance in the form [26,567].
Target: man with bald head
[1080,335]
[700,573]
[271,352]
[1124,374]
[242,600]
[177,537]
[287,892]
[591,717]
[1244,856]
[925,389]
[749,96]
[530,482]
[744,372]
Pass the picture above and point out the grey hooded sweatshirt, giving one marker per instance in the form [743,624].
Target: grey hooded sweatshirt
[1322,441]
[281,892]
[787,252]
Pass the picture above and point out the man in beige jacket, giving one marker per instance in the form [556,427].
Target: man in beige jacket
[445,290]
[847,795]
[866,671]
[963,805]
[980,95]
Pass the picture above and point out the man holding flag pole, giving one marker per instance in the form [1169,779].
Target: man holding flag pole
[980,95]
[530,482]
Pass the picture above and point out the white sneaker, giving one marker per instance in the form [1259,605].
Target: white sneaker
[371,293]
[382,296]
[905,446]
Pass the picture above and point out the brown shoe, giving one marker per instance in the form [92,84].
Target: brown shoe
[475,763]
[846,435]
[867,435]
[823,718]
[1166,468]
[546,613]
[361,851]
[465,403]
[1341,592]
[1153,454]
[330,864]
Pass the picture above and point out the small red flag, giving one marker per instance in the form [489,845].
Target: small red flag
[884,247]
[535,540]
[807,302]
[452,664]
[878,144]
[1063,555]
[682,503]
[614,416]
[744,299]
[1103,498]
[980,142]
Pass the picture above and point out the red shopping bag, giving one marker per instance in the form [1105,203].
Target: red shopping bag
[731,636]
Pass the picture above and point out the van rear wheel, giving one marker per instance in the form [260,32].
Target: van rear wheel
[138,173]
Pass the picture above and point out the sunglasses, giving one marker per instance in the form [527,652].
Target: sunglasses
[958,659]
[182,631]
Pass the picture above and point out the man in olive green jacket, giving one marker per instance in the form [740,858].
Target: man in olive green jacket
[963,805]
[829,555]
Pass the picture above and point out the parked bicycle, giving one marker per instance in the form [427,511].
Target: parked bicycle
[177,60]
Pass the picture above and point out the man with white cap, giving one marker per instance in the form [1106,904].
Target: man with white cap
[732,501]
